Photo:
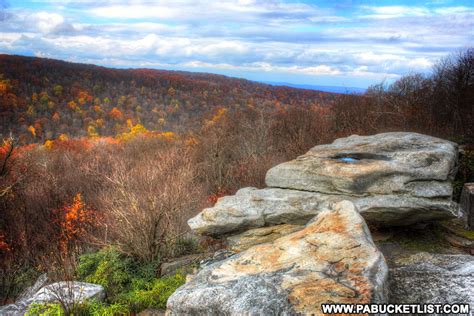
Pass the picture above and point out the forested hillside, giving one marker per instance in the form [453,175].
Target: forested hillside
[42,99]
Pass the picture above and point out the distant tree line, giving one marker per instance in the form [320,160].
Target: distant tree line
[439,103]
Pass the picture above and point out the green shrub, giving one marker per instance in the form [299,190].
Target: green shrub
[13,282]
[155,294]
[101,309]
[131,285]
[92,308]
[49,309]
[152,294]
[107,268]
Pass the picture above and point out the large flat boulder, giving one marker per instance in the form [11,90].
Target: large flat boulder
[333,259]
[252,208]
[392,178]
[389,163]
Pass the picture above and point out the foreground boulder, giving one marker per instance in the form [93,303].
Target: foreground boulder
[252,208]
[65,292]
[331,260]
[433,278]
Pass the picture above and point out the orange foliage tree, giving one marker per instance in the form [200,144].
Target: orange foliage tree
[74,220]
[116,114]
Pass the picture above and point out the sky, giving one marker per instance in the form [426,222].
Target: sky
[343,43]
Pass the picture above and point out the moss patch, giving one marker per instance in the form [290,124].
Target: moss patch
[428,239]
[456,227]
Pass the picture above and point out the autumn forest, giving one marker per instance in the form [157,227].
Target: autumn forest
[100,168]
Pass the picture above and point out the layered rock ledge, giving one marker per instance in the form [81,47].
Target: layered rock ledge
[252,208]
[392,178]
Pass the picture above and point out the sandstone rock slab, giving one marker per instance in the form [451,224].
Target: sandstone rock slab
[184,264]
[332,259]
[388,163]
[252,208]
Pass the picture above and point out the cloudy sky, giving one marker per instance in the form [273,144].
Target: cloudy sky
[344,43]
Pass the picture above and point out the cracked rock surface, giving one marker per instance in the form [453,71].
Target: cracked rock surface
[332,259]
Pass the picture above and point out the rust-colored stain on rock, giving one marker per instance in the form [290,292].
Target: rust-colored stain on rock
[327,261]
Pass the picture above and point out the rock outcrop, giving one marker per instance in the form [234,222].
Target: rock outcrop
[183,264]
[303,241]
[332,259]
[66,292]
[392,178]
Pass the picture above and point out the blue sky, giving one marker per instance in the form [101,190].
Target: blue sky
[344,43]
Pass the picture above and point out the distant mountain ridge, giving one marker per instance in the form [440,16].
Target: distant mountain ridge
[331,89]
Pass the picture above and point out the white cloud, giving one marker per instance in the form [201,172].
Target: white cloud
[265,12]
[268,36]
[454,10]
[388,12]
[320,70]
[46,22]
[134,12]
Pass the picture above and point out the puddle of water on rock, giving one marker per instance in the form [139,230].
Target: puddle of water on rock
[348,159]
